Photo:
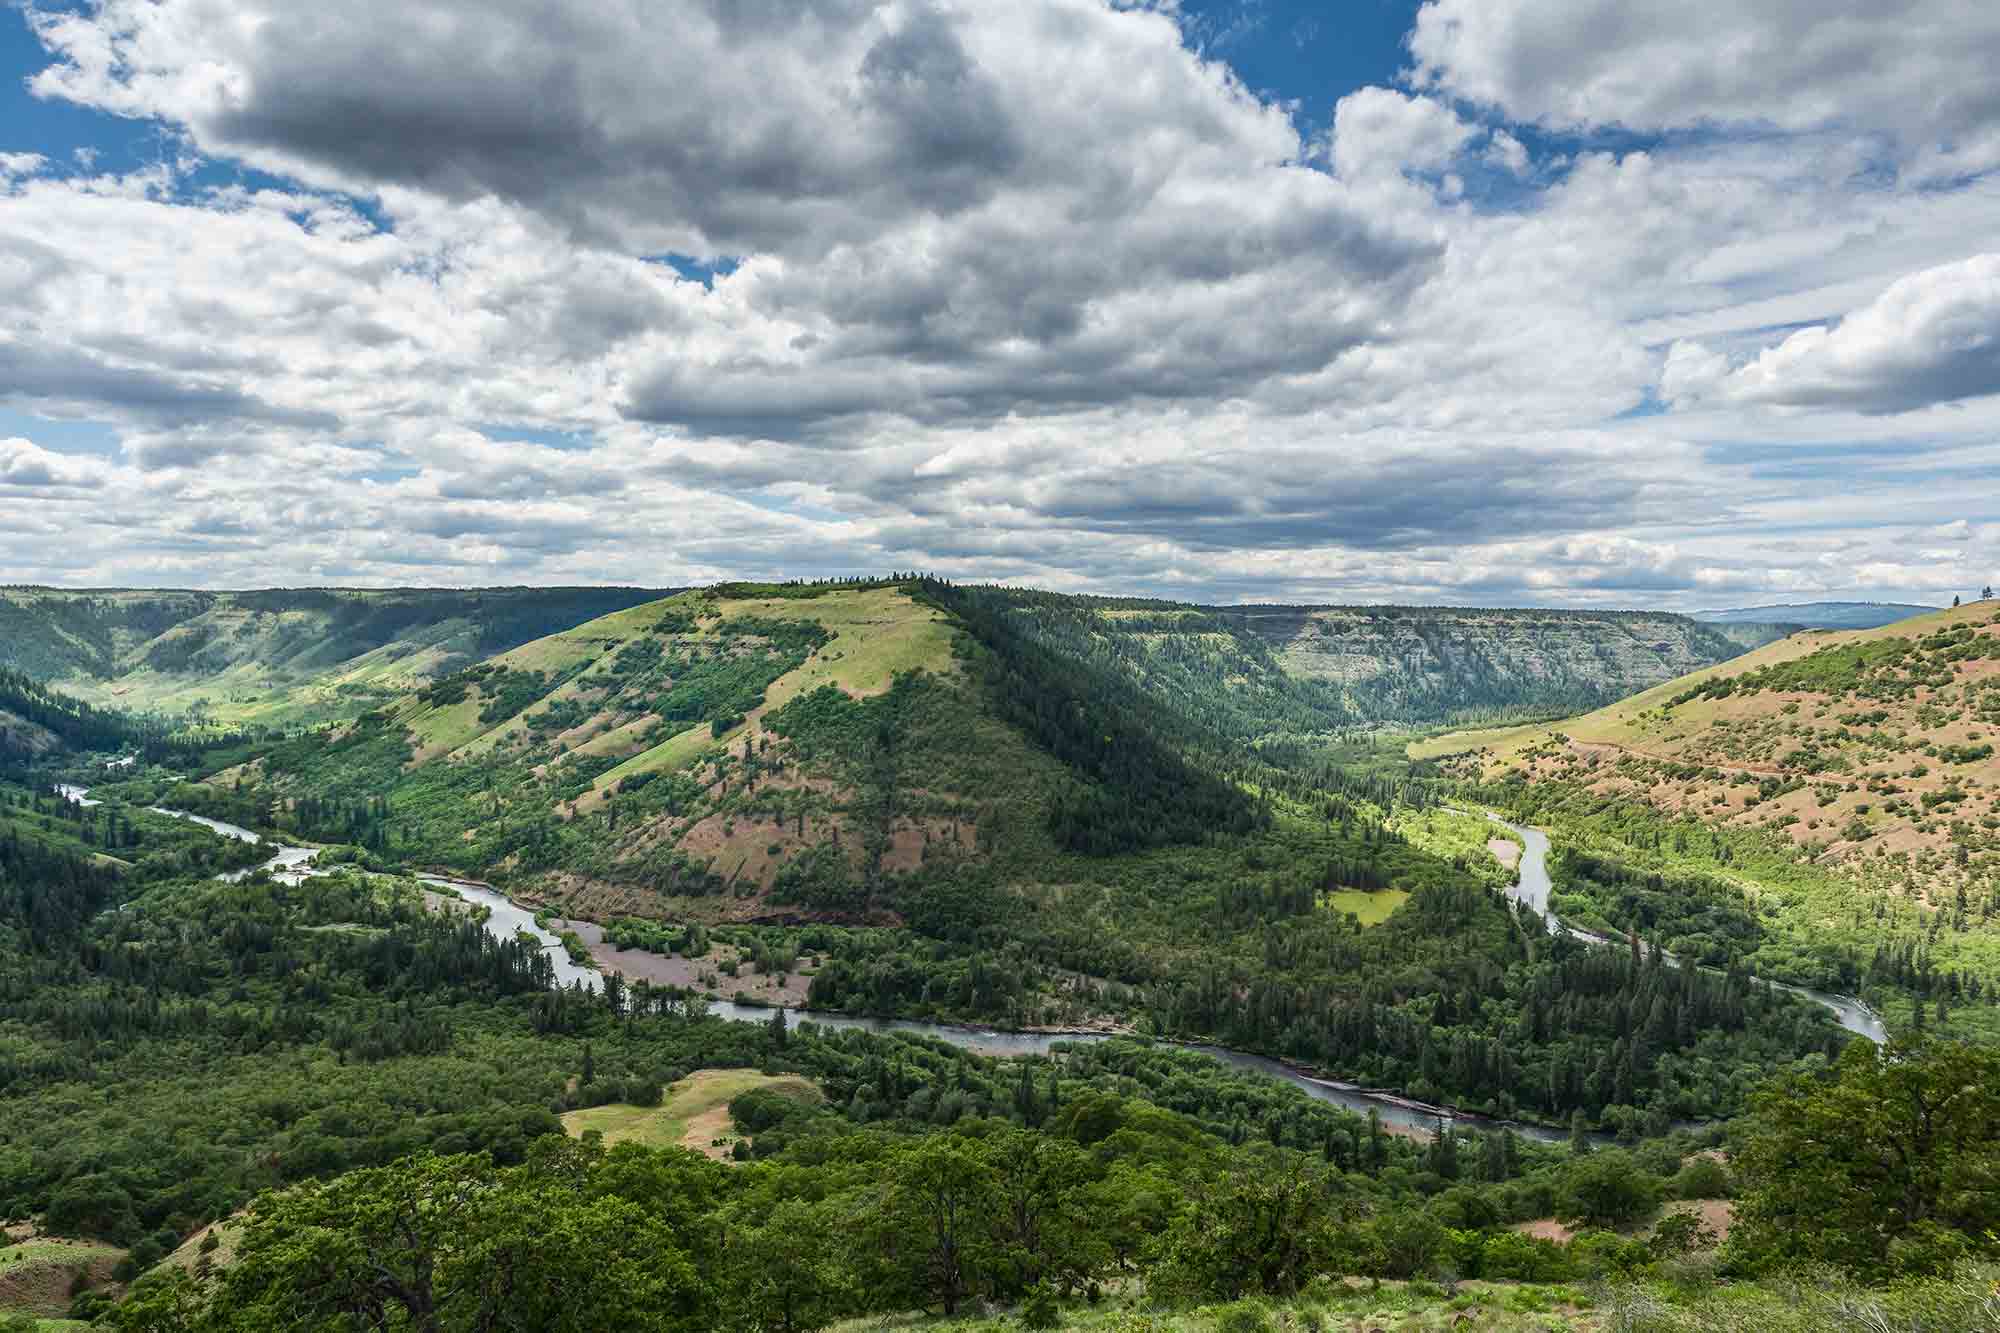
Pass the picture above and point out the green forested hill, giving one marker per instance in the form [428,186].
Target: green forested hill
[958,817]
[278,654]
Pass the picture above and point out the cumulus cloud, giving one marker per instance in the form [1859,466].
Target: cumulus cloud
[25,464]
[1028,292]
[1920,70]
[947,211]
[1932,337]
[1381,129]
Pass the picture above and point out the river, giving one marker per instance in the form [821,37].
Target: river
[1533,888]
[506,919]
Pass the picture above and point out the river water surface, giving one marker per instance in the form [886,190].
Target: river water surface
[1533,888]
[506,919]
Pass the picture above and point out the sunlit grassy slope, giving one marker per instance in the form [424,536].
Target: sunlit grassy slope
[694,1114]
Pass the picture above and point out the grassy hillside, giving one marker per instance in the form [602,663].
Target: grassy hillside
[277,655]
[727,752]
[1848,780]
[693,1114]
[39,1275]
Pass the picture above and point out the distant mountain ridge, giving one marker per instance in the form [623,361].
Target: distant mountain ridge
[275,655]
[1818,615]
[1262,672]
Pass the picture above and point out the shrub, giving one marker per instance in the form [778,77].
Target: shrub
[1243,1317]
[1681,1233]
[760,1109]
[1040,1310]
[1607,1188]
[1511,1256]
[1703,1178]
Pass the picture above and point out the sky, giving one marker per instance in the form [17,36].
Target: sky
[1465,302]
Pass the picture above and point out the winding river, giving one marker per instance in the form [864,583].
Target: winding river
[1533,888]
[505,919]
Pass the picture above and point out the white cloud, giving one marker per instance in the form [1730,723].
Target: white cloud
[25,464]
[945,212]
[1381,130]
[1932,337]
[1128,334]
[1919,71]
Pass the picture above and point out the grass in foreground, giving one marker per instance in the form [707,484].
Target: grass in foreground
[1690,1301]
[1404,1307]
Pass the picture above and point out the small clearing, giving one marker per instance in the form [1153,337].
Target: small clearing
[695,1113]
[1372,909]
[36,1275]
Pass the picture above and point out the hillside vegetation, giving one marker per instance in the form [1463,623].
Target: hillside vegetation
[1847,782]
[900,797]
[277,655]
[915,800]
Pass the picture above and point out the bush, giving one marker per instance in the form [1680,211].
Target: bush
[1243,1317]
[1682,1233]
[1040,1310]
[1607,1188]
[760,1109]
[1703,1178]
[1404,1244]
[1511,1256]
[1598,1253]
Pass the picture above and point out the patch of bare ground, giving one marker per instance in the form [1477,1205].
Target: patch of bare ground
[791,779]
[1545,1228]
[601,900]
[711,1133]
[748,849]
[1718,1215]
[443,902]
[1506,853]
[914,840]
[704,973]
[38,1274]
